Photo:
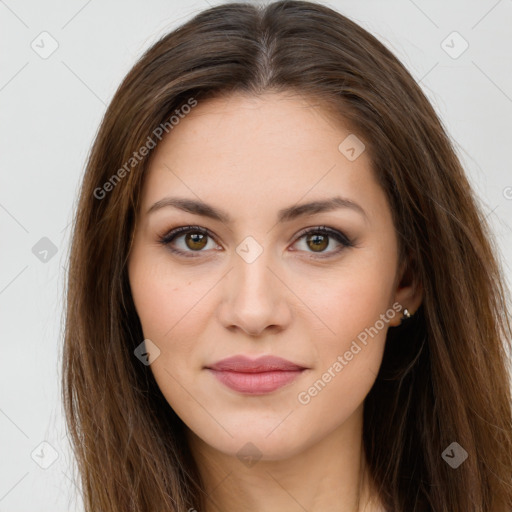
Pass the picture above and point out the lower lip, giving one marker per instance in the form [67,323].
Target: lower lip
[256,383]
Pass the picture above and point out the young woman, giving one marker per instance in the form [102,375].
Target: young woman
[283,294]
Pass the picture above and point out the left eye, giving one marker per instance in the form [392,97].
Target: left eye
[319,239]
[195,238]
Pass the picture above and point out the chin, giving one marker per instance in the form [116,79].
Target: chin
[264,441]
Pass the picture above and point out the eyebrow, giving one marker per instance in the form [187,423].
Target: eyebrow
[198,207]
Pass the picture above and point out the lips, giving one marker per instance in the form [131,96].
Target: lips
[255,376]
[262,364]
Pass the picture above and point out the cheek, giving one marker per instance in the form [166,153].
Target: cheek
[349,359]
[163,296]
[173,306]
[170,311]
[355,308]
[350,302]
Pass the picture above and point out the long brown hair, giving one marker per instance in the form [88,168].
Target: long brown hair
[444,375]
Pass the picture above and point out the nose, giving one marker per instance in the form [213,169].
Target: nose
[255,297]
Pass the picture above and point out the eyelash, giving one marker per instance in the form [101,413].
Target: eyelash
[323,230]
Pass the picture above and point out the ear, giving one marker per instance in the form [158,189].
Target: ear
[408,292]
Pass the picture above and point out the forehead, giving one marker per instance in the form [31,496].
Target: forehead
[259,148]
[287,124]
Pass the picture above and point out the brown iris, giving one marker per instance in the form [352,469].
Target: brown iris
[197,240]
[319,242]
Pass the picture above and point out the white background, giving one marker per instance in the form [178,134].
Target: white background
[51,108]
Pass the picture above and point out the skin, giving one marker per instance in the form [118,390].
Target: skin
[250,157]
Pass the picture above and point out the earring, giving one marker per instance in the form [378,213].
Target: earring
[406,315]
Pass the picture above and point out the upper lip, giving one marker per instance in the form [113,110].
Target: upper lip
[244,364]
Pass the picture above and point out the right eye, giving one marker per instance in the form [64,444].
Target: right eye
[193,240]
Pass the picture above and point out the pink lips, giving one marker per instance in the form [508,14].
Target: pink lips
[255,376]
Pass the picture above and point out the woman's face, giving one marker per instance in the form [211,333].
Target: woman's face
[246,280]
